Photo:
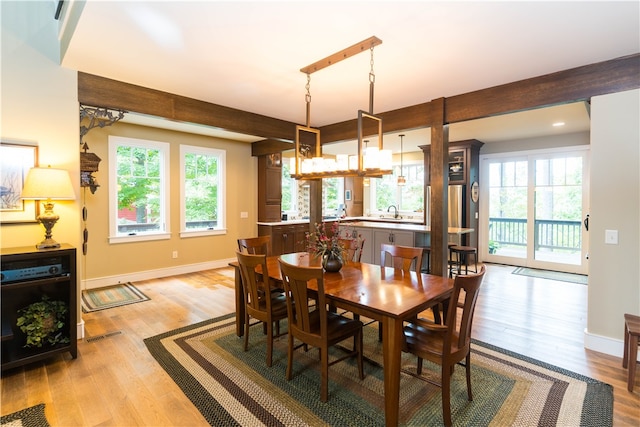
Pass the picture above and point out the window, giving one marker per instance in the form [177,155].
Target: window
[409,197]
[138,190]
[289,190]
[202,190]
[332,195]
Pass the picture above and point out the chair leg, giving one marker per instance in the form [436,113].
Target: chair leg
[289,357]
[269,343]
[468,367]
[625,355]
[632,361]
[380,331]
[446,395]
[246,331]
[324,382]
[419,368]
[357,344]
[436,314]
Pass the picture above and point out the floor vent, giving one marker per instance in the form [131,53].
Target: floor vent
[99,337]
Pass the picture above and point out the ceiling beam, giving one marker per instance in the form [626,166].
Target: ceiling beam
[571,85]
[102,92]
[576,84]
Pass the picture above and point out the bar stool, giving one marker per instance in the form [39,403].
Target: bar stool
[462,254]
[630,356]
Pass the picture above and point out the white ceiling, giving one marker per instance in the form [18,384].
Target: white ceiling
[247,55]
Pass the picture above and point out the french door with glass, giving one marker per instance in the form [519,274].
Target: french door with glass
[536,203]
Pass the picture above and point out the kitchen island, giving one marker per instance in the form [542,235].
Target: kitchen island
[290,236]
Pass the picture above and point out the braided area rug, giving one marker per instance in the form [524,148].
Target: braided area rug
[233,387]
[29,417]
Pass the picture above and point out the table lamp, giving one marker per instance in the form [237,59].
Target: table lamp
[48,184]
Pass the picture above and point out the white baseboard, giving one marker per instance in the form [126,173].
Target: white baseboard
[101,282]
[606,345]
[80,329]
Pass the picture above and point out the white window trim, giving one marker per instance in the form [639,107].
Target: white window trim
[114,143]
[222,224]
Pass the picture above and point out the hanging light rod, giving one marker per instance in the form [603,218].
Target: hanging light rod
[357,48]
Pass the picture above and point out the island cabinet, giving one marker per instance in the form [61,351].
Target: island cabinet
[374,238]
[392,237]
[362,233]
[286,238]
[31,276]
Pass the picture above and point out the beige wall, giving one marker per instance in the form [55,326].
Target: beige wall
[39,107]
[614,270]
[110,263]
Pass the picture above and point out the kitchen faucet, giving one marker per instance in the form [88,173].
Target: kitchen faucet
[395,215]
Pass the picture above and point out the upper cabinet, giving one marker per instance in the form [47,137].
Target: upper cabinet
[463,162]
[269,187]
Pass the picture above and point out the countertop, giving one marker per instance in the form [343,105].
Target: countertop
[377,223]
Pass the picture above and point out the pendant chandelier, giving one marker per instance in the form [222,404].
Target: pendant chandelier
[368,161]
[401,178]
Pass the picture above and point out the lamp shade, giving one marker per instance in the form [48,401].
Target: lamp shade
[48,183]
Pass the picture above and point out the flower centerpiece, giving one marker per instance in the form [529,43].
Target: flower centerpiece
[326,244]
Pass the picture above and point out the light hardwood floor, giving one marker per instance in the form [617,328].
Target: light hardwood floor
[115,381]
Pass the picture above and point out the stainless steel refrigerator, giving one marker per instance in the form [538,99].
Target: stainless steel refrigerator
[456,206]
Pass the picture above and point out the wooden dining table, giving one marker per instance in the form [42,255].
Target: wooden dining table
[385,294]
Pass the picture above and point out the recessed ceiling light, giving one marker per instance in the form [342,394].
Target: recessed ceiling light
[558,124]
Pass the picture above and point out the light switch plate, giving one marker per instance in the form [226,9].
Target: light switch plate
[611,237]
[244,214]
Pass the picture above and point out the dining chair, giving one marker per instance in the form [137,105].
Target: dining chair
[450,343]
[255,245]
[261,304]
[353,249]
[317,327]
[406,258]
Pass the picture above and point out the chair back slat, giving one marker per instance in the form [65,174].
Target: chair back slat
[402,257]
[466,289]
[260,245]
[255,288]
[353,249]
[296,282]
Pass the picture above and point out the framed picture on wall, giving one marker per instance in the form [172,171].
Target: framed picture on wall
[347,195]
[15,162]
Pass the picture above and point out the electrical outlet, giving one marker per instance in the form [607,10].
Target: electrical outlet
[244,214]
[174,254]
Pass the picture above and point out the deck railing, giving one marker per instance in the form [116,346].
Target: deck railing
[550,234]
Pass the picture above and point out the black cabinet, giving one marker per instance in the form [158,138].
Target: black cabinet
[28,275]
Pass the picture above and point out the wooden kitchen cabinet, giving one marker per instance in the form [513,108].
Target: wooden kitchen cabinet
[286,238]
[269,187]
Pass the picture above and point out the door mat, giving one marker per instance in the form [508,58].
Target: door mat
[552,275]
[111,296]
[30,417]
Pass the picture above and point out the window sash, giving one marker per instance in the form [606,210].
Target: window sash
[206,224]
[134,173]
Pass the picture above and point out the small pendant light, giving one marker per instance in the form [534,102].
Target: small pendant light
[401,179]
